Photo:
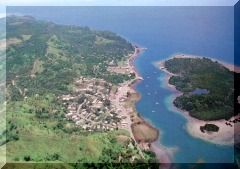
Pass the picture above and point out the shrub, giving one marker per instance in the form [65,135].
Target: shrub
[27,158]
[209,127]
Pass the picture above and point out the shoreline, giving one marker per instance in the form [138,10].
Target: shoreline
[162,153]
[137,52]
[231,67]
[226,134]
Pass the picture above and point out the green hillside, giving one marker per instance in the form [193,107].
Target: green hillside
[43,60]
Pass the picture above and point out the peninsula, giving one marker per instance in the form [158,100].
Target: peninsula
[205,96]
[72,88]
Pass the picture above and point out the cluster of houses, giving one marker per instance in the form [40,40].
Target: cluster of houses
[89,106]
[120,69]
[125,68]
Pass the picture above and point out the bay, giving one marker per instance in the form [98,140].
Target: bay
[164,31]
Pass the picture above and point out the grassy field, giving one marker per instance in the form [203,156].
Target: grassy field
[53,48]
[41,143]
[37,166]
[121,62]
[3,137]
[60,147]
[2,154]
[102,41]
[114,88]
[53,139]
[13,41]
[38,67]
[26,37]
[143,132]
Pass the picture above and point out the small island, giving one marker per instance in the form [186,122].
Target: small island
[209,128]
[206,95]
[193,73]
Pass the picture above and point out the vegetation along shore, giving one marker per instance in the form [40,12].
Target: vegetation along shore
[70,96]
[204,94]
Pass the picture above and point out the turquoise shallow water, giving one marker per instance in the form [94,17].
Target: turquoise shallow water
[203,31]
[173,124]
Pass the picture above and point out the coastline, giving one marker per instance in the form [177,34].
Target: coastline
[163,154]
[226,134]
[231,67]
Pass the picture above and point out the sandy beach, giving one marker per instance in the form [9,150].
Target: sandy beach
[226,135]
[162,153]
[137,52]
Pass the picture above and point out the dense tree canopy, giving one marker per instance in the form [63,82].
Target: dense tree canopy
[56,54]
[203,73]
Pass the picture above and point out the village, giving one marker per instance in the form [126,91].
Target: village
[90,106]
[97,105]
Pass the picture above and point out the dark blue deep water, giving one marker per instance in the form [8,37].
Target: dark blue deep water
[203,31]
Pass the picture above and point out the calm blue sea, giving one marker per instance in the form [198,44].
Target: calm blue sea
[203,31]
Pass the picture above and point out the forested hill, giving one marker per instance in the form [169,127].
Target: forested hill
[204,74]
[44,61]
[43,56]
